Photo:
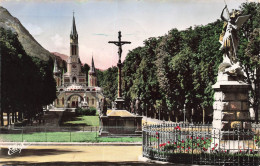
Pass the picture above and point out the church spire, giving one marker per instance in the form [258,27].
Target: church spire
[92,68]
[55,68]
[73,34]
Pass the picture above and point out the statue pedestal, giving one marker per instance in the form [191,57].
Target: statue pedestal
[120,103]
[231,109]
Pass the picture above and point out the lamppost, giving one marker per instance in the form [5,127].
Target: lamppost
[184,111]
[146,113]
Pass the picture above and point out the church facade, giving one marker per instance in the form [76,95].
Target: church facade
[73,88]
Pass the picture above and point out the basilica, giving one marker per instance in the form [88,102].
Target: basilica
[73,88]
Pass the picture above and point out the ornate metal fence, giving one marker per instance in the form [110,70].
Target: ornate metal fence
[199,144]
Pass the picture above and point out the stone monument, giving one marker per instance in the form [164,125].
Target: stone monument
[118,121]
[231,98]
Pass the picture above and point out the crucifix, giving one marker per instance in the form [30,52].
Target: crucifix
[119,43]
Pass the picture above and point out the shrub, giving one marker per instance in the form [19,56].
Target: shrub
[90,111]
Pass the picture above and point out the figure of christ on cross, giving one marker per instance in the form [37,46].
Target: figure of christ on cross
[119,43]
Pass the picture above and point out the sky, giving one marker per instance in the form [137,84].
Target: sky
[98,21]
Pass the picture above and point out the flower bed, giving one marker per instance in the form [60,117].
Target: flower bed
[178,144]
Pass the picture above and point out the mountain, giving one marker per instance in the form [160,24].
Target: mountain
[30,45]
[62,56]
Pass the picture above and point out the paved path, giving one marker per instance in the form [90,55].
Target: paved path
[73,155]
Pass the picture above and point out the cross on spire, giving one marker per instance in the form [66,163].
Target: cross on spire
[119,43]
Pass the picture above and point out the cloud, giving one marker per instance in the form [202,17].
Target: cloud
[100,34]
[57,43]
[57,40]
[34,30]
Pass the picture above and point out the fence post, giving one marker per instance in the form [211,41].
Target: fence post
[22,134]
[45,134]
[96,133]
[70,133]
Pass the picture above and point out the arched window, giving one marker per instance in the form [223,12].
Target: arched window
[74,79]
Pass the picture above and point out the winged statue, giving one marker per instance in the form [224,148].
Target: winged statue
[229,37]
[229,41]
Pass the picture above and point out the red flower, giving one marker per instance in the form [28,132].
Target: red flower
[204,142]
[225,150]
[160,145]
[197,137]
[198,144]
[188,147]
[251,150]
[190,137]
[157,137]
[186,150]
[202,138]
[169,142]
[182,141]
[174,143]
[156,133]
[213,148]
[164,144]
[216,145]
[207,138]
[178,146]
[182,147]
[240,151]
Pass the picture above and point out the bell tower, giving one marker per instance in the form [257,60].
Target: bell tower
[74,75]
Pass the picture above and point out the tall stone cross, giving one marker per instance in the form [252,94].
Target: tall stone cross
[119,43]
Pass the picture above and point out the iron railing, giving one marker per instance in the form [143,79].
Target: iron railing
[200,144]
[65,134]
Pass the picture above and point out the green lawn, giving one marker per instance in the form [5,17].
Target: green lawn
[85,120]
[64,137]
